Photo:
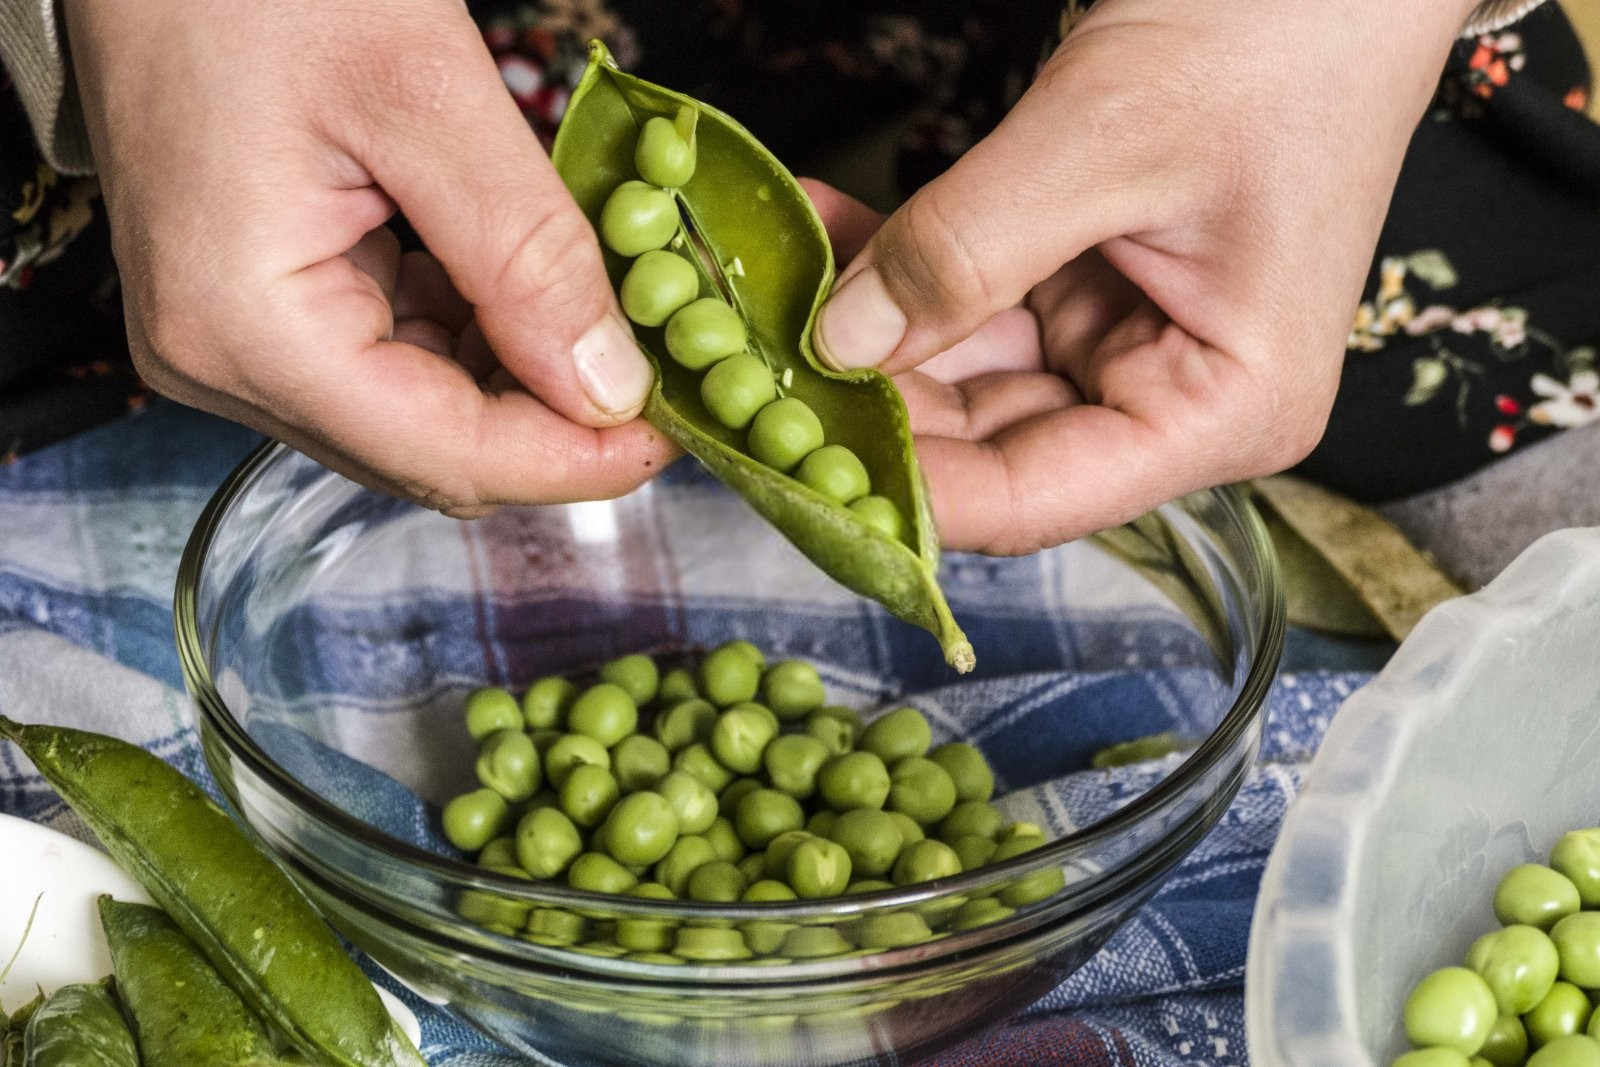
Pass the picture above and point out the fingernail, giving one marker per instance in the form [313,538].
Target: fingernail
[860,325]
[613,372]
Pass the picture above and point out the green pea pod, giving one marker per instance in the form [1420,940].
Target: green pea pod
[183,1012]
[757,242]
[79,1026]
[237,906]
[11,1035]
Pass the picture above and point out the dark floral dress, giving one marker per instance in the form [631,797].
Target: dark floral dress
[1476,334]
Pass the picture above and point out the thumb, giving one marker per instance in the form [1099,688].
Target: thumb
[461,162]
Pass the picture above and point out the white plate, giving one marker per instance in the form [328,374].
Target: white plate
[66,944]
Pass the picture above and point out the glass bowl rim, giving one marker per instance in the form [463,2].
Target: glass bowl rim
[1247,705]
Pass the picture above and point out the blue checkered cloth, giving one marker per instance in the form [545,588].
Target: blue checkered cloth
[90,535]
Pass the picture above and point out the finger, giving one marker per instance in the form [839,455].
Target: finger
[978,408]
[424,334]
[1007,342]
[423,291]
[849,222]
[445,140]
[377,255]
[1076,307]
[474,353]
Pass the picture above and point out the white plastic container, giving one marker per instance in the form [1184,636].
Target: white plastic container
[1473,751]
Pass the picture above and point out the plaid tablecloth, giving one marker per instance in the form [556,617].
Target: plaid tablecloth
[90,534]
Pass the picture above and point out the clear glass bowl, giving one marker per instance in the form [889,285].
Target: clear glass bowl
[1472,752]
[328,634]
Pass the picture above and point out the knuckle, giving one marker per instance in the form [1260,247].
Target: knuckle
[935,263]
[552,259]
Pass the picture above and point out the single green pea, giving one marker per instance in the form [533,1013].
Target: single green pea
[854,780]
[736,388]
[604,712]
[920,788]
[472,820]
[979,912]
[1432,1057]
[893,930]
[684,723]
[560,927]
[567,752]
[1507,1043]
[639,762]
[636,674]
[588,795]
[973,850]
[814,942]
[880,513]
[818,868]
[925,860]
[867,885]
[717,882]
[894,736]
[687,853]
[754,867]
[1577,942]
[836,734]
[1575,1050]
[1018,829]
[490,909]
[636,218]
[698,761]
[677,685]
[1534,895]
[662,155]
[546,701]
[821,823]
[783,433]
[1577,856]
[490,710]
[792,763]
[1033,886]
[724,837]
[657,284]
[835,472]
[763,814]
[910,829]
[546,842]
[767,890]
[728,799]
[971,817]
[703,332]
[1564,1010]
[598,873]
[691,801]
[967,769]
[508,763]
[729,675]
[1519,963]
[792,688]
[501,852]
[747,649]
[1452,1007]
[740,737]
[870,837]
[641,828]
[775,858]
[710,944]
[636,934]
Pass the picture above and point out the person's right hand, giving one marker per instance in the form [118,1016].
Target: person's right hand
[250,155]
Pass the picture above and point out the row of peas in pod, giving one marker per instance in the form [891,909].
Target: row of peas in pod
[641,220]
[1530,985]
[725,780]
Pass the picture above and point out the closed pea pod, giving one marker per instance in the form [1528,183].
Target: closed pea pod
[79,1026]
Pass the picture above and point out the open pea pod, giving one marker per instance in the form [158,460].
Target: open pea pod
[757,242]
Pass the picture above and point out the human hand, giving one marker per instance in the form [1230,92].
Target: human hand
[250,155]
[1141,282]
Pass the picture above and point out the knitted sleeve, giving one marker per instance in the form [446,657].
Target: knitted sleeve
[33,48]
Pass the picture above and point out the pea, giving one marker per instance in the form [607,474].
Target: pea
[754,866]
[814,942]
[775,860]
[893,930]
[880,513]
[854,780]
[973,850]
[717,882]
[1564,1010]
[490,710]
[637,675]
[1433,1057]
[711,944]
[1575,1050]
[967,769]
[647,935]
[1577,941]
[979,912]
[641,828]
[546,701]
[740,737]
[821,823]
[767,890]
[687,853]
[1534,895]
[792,763]
[677,685]
[725,839]
[704,331]
[554,926]
[1519,963]
[730,674]
[694,804]
[491,910]
[473,819]
[1507,1045]
[747,649]
[1032,887]
[1452,1007]
[636,218]
[685,723]
[1019,829]
[868,885]
[736,388]
[605,712]
[570,750]
[663,156]
[920,788]
[971,817]
[910,829]
[657,284]
[1577,856]
[783,433]
[698,761]
[508,763]
[818,868]
[598,873]
[836,735]
[546,842]
[640,762]
[792,688]
[763,814]
[658,959]
[501,852]
[835,472]
[728,800]
[606,949]
[870,837]
[896,735]
[588,794]
[924,861]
